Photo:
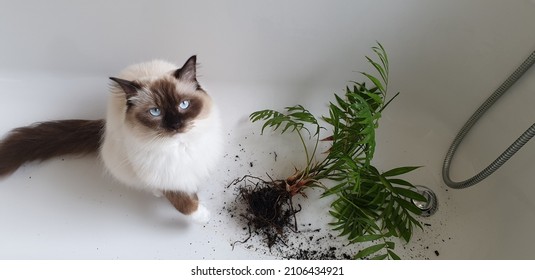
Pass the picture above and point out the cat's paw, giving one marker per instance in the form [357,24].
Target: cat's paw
[201,215]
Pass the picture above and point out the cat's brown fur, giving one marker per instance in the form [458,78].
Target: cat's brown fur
[45,140]
[183,202]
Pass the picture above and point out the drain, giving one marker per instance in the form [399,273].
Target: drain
[430,206]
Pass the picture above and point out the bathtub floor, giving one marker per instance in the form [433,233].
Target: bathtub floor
[67,209]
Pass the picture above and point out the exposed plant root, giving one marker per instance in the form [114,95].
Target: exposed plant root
[246,239]
[269,211]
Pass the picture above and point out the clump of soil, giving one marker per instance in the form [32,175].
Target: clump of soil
[269,211]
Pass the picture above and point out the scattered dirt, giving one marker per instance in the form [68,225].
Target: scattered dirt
[268,217]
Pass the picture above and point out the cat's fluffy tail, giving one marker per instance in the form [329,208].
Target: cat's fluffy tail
[46,140]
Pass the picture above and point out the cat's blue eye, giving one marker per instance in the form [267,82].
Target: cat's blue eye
[184,104]
[155,112]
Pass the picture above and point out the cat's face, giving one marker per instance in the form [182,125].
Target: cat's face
[167,105]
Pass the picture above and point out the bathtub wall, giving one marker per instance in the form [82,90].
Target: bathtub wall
[444,55]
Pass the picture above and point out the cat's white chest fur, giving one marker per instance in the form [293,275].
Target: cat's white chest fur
[181,163]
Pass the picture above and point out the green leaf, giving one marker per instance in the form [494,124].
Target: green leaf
[375,97]
[379,199]
[408,206]
[390,245]
[393,255]
[379,257]
[374,190]
[375,81]
[386,183]
[335,189]
[406,233]
[399,171]
[388,209]
[369,251]
[396,181]
[414,221]
[266,124]
[381,53]
[370,223]
[379,68]
[367,238]
[409,194]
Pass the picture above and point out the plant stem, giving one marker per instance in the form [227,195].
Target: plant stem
[313,155]
[307,169]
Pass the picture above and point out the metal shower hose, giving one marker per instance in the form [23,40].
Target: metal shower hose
[508,153]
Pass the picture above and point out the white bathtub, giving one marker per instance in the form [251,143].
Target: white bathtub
[445,57]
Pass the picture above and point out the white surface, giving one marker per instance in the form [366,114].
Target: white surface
[445,57]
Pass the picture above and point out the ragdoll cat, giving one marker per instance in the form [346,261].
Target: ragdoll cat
[162,134]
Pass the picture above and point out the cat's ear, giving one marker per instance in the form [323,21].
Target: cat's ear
[129,87]
[188,72]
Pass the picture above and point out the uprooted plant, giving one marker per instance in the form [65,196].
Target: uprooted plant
[369,205]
